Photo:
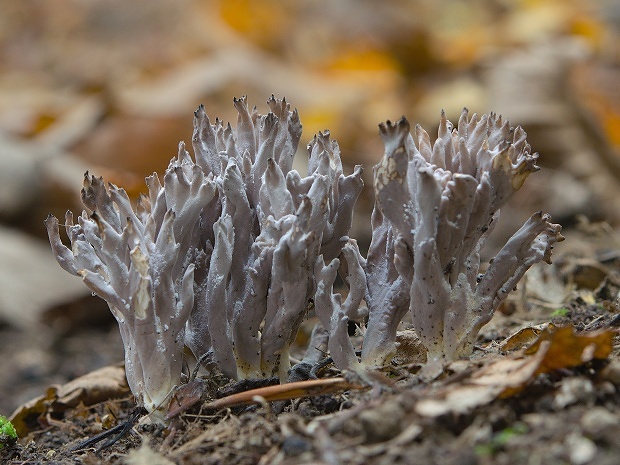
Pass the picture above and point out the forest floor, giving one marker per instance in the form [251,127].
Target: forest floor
[543,386]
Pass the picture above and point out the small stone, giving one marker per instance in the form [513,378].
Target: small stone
[382,423]
[581,450]
[612,372]
[598,421]
[574,390]
[295,445]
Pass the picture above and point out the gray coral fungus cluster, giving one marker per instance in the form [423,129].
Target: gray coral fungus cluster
[227,255]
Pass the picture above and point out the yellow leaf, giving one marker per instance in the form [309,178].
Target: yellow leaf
[566,349]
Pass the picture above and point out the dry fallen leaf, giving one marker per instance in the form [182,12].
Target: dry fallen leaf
[523,337]
[568,349]
[97,386]
[554,349]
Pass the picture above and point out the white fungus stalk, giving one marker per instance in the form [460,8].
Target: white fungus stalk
[137,263]
[442,201]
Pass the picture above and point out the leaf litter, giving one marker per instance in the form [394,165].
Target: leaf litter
[542,384]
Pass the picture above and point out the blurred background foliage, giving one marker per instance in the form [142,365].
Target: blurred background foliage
[110,86]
